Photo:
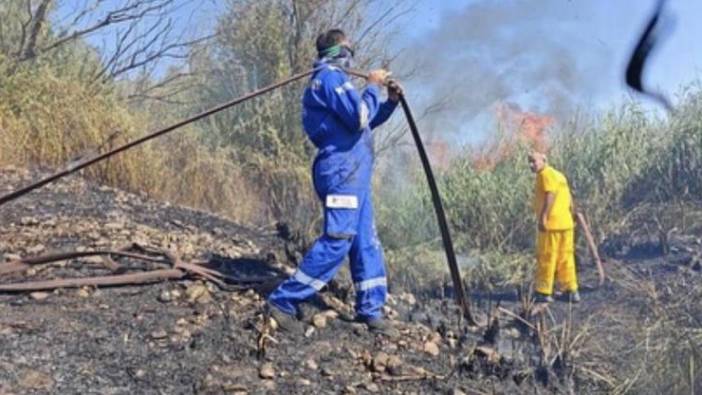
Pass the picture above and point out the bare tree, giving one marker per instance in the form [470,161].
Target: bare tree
[137,35]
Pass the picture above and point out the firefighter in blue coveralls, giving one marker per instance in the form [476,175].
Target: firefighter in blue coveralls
[339,120]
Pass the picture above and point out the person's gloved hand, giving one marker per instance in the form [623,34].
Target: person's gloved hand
[395,90]
[378,76]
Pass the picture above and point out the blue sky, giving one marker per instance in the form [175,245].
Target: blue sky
[550,56]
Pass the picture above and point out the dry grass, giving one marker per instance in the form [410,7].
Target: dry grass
[644,339]
[50,121]
[648,340]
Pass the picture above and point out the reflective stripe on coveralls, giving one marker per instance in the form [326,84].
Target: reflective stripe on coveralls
[339,119]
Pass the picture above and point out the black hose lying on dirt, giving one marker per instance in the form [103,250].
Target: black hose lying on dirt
[436,197]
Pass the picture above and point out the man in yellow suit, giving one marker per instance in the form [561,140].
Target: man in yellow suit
[555,253]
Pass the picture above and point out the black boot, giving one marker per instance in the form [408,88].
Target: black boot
[541,298]
[573,297]
[286,322]
[383,327]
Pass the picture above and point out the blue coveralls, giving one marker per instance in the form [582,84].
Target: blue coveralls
[338,119]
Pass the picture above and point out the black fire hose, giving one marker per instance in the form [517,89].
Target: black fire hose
[461,298]
[436,198]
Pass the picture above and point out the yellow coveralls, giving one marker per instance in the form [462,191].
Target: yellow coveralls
[555,250]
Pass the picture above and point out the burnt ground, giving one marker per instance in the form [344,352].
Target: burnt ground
[188,336]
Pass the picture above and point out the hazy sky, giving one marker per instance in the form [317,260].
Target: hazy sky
[611,25]
[550,56]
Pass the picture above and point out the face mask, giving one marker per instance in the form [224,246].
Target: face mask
[340,54]
[346,52]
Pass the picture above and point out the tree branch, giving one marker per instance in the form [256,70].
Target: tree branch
[132,11]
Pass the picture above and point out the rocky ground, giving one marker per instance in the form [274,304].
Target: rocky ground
[190,336]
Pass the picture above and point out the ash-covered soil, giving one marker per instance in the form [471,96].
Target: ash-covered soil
[189,336]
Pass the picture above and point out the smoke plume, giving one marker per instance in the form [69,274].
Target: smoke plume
[537,54]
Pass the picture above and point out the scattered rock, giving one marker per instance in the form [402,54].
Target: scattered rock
[84,292]
[351,352]
[434,337]
[431,348]
[205,298]
[327,372]
[234,388]
[159,334]
[274,325]
[183,333]
[380,362]
[165,296]
[266,371]
[390,312]
[372,387]
[394,365]
[511,332]
[309,331]
[13,257]
[319,321]
[311,364]
[452,343]
[489,353]
[407,298]
[95,260]
[39,295]
[36,250]
[304,382]
[196,291]
[102,242]
[29,221]
[366,358]
[330,314]
[114,226]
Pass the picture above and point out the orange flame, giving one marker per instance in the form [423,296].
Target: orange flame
[518,127]
[440,153]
